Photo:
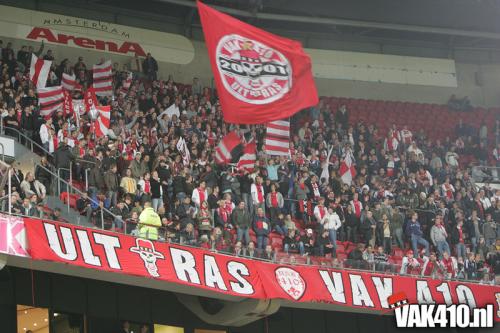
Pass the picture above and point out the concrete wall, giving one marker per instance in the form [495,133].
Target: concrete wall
[488,94]
[480,82]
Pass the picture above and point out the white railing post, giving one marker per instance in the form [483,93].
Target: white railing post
[86,179]
[70,176]
[102,218]
[58,183]
[10,190]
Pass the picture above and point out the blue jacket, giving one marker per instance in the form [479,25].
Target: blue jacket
[413,229]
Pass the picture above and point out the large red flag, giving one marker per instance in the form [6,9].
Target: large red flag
[260,77]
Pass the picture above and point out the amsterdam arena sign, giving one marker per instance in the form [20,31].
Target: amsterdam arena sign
[94,35]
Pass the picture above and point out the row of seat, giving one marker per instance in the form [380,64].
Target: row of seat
[437,120]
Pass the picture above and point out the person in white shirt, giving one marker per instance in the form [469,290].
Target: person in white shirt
[320,210]
[173,109]
[414,149]
[452,158]
[410,265]
[484,200]
[331,222]
[258,195]
[406,136]
[45,133]
[200,194]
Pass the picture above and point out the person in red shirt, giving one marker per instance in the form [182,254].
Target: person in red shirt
[433,267]
[449,265]
[357,207]
[410,264]
[275,202]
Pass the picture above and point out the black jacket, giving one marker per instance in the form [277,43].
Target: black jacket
[28,122]
[41,174]
[63,157]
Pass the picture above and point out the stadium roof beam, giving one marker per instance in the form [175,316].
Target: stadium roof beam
[347,22]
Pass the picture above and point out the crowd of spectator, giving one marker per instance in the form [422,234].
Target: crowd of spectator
[410,195]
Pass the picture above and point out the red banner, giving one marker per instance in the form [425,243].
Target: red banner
[242,277]
[90,99]
[260,76]
[68,103]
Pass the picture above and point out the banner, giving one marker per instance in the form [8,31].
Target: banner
[90,99]
[260,76]
[12,236]
[68,103]
[95,249]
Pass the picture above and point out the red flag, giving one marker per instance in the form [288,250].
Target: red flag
[226,145]
[102,121]
[347,170]
[247,160]
[68,103]
[260,77]
[39,71]
[90,99]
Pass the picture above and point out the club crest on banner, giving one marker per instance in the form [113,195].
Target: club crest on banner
[146,250]
[252,71]
[291,282]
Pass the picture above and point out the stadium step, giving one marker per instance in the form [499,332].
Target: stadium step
[71,216]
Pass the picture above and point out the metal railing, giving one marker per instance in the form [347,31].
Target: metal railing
[482,174]
[35,144]
[388,269]
[3,152]
[72,189]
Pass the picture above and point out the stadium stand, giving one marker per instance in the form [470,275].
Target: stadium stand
[416,183]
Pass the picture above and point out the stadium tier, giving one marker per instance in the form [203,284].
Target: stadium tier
[235,199]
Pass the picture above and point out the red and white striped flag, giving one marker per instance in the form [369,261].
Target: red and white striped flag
[347,170]
[277,141]
[68,82]
[126,85]
[39,71]
[226,145]
[103,79]
[50,99]
[247,160]
[103,121]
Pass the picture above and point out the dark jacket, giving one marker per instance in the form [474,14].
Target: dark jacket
[149,65]
[455,235]
[42,175]
[111,181]
[63,157]
[241,218]
[28,122]
[155,189]
[96,177]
